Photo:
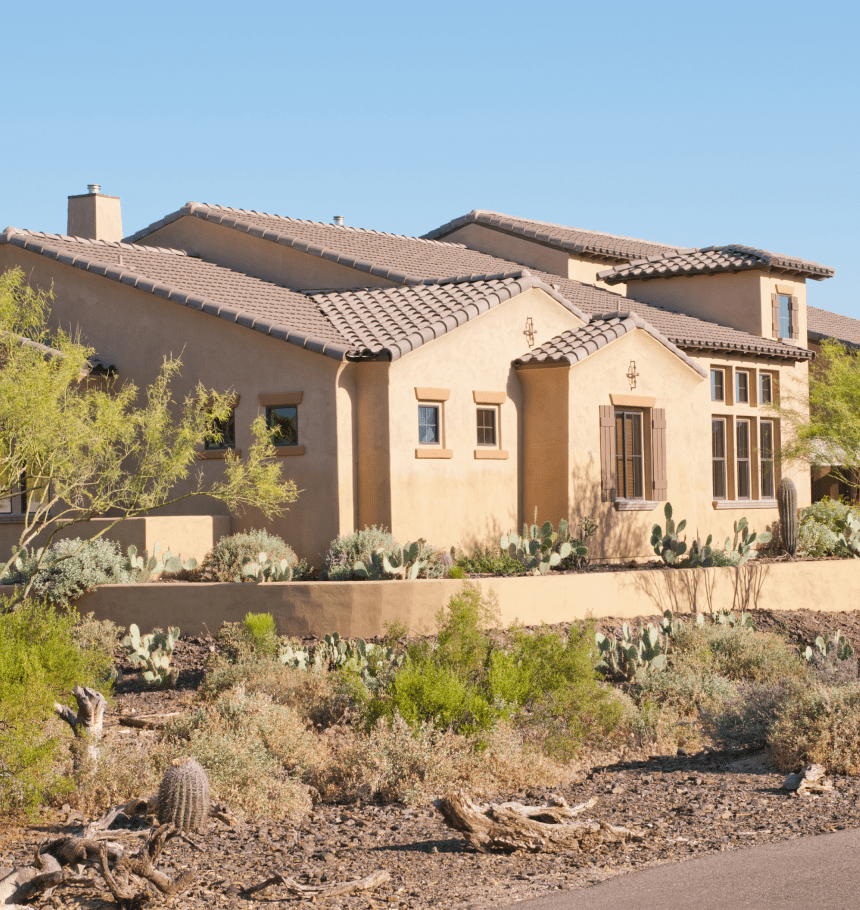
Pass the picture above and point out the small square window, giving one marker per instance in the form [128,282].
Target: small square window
[226,430]
[428,425]
[284,421]
[765,382]
[742,387]
[487,427]
[718,392]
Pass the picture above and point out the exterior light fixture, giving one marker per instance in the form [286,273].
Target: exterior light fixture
[632,374]
[530,332]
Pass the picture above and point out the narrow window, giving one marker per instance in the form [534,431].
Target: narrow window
[284,421]
[428,425]
[742,387]
[784,316]
[766,455]
[629,454]
[718,450]
[717,390]
[765,381]
[743,459]
[487,427]
[226,435]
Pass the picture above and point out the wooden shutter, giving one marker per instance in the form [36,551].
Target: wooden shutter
[658,454]
[774,299]
[794,317]
[607,453]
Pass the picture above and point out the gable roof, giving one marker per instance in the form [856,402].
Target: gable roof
[574,240]
[712,260]
[573,346]
[821,324]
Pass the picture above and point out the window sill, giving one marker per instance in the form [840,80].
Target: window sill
[744,504]
[491,454]
[430,452]
[287,451]
[217,454]
[635,505]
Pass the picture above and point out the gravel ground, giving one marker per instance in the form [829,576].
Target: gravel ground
[687,805]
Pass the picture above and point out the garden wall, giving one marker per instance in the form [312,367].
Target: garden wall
[360,609]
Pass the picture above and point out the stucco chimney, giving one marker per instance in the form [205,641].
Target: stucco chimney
[95,216]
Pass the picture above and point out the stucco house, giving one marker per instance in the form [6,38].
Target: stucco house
[448,386]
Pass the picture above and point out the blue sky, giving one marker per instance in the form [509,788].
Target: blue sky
[686,123]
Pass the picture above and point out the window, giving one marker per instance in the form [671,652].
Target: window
[487,427]
[226,430]
[766,449]
[765,388]
[784,316]
[25,496]
[718,450]
[428,425]
[742,387]
[743,458]
[284,421]
[630,462]
[718,392]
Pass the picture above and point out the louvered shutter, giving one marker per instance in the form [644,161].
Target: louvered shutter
[774,299]
[607,453]
[658,454]
[795,317]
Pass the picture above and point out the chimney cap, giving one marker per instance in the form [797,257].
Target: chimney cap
[93,188]
[338,220]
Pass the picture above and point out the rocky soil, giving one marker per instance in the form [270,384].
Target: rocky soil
[688,804]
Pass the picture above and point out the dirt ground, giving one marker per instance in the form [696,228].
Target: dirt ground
[688,805]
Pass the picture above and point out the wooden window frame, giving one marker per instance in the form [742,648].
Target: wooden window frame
[229,437]
[654,474]
[764,374]
[745,460]
[793,315]
[270,408]
[638,461]
[722,421]
[747,397]
[763,473]
[722,372]
[494,411]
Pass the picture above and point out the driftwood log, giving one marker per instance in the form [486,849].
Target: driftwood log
[370,883]
[508,827]
[22,885]
[88,723]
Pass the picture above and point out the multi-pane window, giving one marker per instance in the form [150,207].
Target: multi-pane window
[765,388]
[784,316]
[428,425]
[718,450]
[284,421]
[718,392]
[766,449]
[226,435]
[487,427]
[742,387]
[630,461]
[742,452]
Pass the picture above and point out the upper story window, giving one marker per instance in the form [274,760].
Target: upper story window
[765,388]
[718,381]
[629,455]
[428,425]
[226,435]
[742,450]
[742,387]
[284,421]
[487,420]
[785,316]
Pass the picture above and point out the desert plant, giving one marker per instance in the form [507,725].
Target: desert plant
[225,561]
[263,569]
[786,499]
[359,547]
[542,548]
[849,536]
[667,545]
[489,559]
[183,796]
[153,652]
[403,562]
[741,548]
[635,656]
[144,568]
[838,646]
[261,629]
[817,539]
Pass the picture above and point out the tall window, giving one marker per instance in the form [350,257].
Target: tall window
[742,387]
[487,427]
[630,462]
[226,430]
[718,392]
[765,388]
[784,316]
[428,425]
[766,449]
[718,450]
[743,458]
[284,420]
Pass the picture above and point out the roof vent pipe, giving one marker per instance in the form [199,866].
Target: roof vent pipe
[338,220]
[93,188]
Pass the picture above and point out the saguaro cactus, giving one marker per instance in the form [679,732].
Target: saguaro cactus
[786,499]
[183,797]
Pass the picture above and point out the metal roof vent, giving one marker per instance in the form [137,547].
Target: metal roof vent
[93,188]
[338,220]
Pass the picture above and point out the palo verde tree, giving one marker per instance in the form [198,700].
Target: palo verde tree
[73,447]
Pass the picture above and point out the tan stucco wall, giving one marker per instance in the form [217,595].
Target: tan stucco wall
[95,216]
[258,257]
[361,609]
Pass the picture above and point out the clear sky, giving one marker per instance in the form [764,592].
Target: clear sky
[688,123]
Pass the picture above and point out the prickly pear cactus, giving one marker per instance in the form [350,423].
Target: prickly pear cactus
[786,500]
[183,797]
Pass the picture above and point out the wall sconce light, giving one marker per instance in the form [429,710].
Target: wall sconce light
[632,374]
[530,332]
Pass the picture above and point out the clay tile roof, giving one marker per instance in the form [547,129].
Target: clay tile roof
[574,240]
[573,346]
[711,260]
[404,260]
[821,324]
[394,321]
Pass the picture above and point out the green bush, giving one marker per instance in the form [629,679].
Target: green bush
[489,559]
[362,546]
[40,663]
[71,567]
[225,560]
[262,631]
[817,539]
[829,512]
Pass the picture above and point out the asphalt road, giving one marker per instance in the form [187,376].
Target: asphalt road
[809,873]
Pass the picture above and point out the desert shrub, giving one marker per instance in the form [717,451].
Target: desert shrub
[818,724]
[828,512]
[489,559]
[99,635]
[225,560]
[362,546]
[40,663]
[817,539]
[686,690]
[71,567]
[260,628]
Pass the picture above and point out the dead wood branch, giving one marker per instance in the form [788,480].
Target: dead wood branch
[370,883]
[21,885]
[509,827]
[88,723]
[147,721]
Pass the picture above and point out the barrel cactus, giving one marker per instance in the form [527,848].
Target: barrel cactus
[183,797]
[786,499]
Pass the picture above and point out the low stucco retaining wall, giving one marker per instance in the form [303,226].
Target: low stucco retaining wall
[360,609]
